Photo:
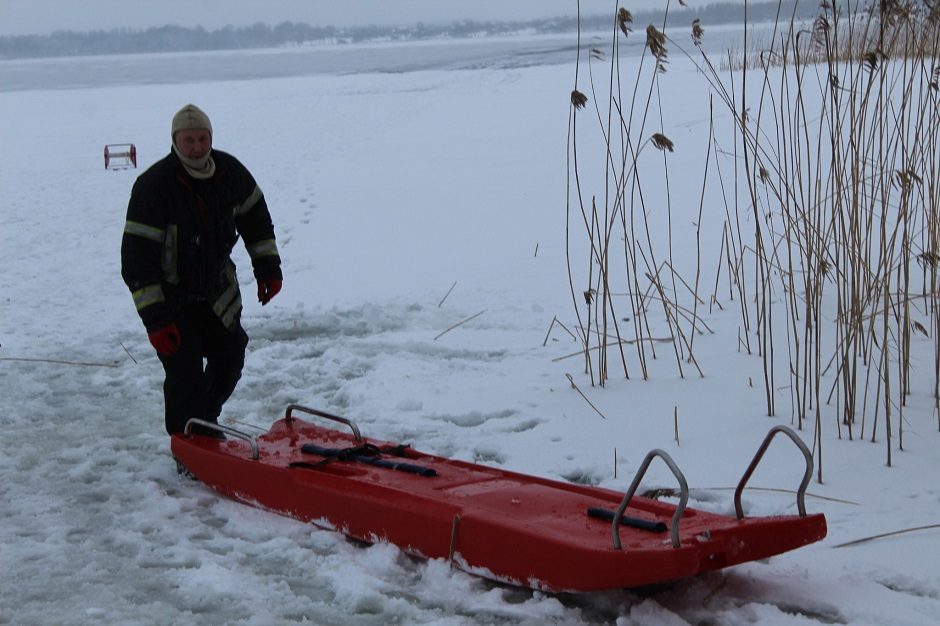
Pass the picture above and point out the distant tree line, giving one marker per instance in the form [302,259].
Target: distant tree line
[197,38]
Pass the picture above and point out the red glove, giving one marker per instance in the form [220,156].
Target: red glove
[267,289]
[166,340]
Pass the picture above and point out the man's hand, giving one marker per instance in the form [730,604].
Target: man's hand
[267,289]
[166,340]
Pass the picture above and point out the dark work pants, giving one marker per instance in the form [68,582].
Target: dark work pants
[192,389]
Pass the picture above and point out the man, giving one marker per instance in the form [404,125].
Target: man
[185,215]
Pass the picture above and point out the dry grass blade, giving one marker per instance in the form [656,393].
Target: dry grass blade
[446,294]
[893,533]
[581,393]
[57,361]
[672,492]
[128,353]
[460,323]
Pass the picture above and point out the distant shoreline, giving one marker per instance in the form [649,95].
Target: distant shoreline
[390,57]
[167,39]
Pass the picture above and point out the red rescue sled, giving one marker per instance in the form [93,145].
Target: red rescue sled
[518,529]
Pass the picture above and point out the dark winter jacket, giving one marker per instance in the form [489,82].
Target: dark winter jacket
[179,235]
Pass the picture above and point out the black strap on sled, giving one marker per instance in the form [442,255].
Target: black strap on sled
[366,453]
[633,522]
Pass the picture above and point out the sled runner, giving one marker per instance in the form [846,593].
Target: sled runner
[514,528]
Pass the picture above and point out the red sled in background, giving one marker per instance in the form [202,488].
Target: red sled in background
[514,528]
[120,156]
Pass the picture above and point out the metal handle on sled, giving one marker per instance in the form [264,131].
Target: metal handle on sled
[329,416]
[807,475]
[683,496]
[188,429]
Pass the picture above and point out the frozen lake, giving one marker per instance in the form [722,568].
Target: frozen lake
[334,59]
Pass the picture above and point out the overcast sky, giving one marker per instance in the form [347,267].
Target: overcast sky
[22,17]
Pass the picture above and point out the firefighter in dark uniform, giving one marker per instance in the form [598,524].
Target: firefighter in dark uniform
[185,214]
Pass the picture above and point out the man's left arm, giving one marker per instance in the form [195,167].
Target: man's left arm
[254,224]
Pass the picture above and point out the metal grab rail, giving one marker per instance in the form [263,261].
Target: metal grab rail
[329,416]
[683,496]
[807,475]
[252,441]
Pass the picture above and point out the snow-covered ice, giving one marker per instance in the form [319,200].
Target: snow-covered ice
[387,190]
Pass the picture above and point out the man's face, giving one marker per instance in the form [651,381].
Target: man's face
[194,143]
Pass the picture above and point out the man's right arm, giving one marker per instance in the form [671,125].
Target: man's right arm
[142,249]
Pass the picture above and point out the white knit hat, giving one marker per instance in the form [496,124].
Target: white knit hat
[190,116]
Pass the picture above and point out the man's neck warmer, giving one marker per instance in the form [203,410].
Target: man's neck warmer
[197,168]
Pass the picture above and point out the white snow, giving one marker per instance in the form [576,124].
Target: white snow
[386,189]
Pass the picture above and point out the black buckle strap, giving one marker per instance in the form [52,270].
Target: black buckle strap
[366,453]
